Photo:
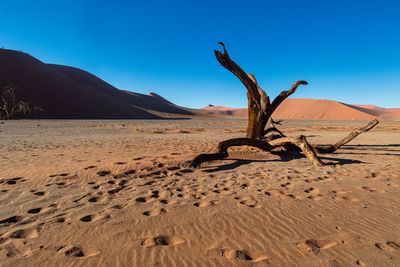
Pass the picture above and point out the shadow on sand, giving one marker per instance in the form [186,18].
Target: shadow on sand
[284,157]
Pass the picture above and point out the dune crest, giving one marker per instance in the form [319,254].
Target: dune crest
[315,109]
[70,93]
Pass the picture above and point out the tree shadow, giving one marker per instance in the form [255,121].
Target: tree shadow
[288,156]
[386,148]
[283,157]
[231,166]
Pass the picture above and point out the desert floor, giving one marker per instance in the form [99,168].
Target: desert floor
[114,193]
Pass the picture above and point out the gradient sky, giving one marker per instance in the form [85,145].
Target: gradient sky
[348,51]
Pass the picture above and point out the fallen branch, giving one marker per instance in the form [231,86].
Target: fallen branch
[351,136]
[222,149]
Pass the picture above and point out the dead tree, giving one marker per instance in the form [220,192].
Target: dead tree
[9,105]
[260,110]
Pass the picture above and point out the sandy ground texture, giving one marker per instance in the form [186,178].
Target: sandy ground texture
[113,193]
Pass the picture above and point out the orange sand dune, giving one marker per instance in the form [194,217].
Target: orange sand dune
[312,109]
[384,113]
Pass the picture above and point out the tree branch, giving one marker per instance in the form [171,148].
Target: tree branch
[222,149]
[285,94]
[351,136]
[226,61]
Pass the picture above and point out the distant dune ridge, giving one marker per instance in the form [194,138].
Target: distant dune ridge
[312,109]
[70,93]
[65,92]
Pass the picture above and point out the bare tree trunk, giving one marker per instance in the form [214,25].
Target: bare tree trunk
[260,108]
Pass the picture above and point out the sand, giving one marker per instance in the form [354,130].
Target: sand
[113,193]
[315,109]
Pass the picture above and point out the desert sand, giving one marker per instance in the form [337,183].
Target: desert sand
[114,193]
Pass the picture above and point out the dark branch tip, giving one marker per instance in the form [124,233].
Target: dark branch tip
[301,82]
[223,46]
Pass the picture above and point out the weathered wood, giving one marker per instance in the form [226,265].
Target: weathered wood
[301,142]
[351,136]
[260,108]
[275,121]
[226,61]
[258,112]
[273,129]
[222,149]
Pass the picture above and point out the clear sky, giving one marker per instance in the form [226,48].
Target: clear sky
[348,51]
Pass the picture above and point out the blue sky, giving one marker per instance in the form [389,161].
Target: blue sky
[348,51]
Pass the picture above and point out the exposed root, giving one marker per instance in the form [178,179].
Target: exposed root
[222,150]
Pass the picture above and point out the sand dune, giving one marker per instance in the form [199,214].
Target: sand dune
[312,109]
[383,113]
[67,92]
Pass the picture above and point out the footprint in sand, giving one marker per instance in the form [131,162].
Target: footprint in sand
[390,246]
[34,211]
[350,198]
[16,248]
[73,251]
[316,197]
[154,212]
[226,191]
[90,167]
[205,203]
[248,201]
[59,175]
[12,181]
[12,220]
[152,195]
[96,217]
[341,192]
[293,196]
[42,210]
[287,185]
[116,190]
[316,245]
[23,233]
[311,190]
[103,173]
[167,201]
[373,190]
[61,220]
[119,206]
[162,241]
[97,199]
[235,254]
[319,179]
[274,192]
